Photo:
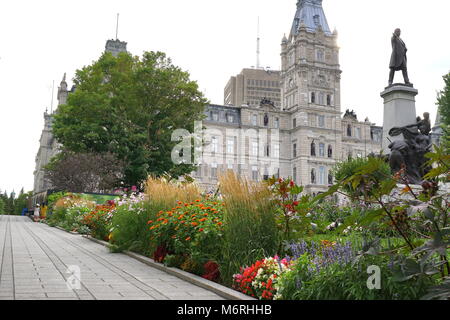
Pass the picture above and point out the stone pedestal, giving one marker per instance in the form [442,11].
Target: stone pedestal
[399,111]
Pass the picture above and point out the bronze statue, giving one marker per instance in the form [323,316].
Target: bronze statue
[410,152]
[398,58]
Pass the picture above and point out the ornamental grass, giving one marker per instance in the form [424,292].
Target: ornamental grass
[167,193]
[250,229]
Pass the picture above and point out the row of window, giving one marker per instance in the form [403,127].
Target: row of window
[263,83]
[321,98]
[318,177]
[255,174]
[254,147]
[321,152]
[214,115]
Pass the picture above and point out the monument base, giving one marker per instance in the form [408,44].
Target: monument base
[399,111]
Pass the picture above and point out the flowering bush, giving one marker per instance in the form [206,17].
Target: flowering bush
[260,279]
[99,220]
[193,229]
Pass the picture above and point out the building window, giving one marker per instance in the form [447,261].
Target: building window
[276,123]
[320,55]
[321,98]
[330,178]
[230,118]
[294,123]
[230,166]
[328,99]
[254,148]
[313,176]
[214,145]
[254,120]
[321,150]
[313,149]
[330,151]
[276,151]
[313,97]
[213,170]
[267,150]
[215,116]
[294,150]
[321,121]
[230,146]
[349,131]
[322,176]
[255,173]
[358,133]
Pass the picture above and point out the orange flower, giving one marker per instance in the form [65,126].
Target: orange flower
[197,200]
[201,220]
[194,224]
[150,222]
[201,230]
[188,238]
[219,224]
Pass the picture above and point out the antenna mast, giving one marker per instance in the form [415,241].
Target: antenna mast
[117,26]
[258,65]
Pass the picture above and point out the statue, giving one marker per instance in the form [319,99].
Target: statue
[410,152]
[313,149]
[313,176]
[398,58]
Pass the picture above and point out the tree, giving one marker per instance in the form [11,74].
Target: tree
[130,106]
[2,206]
[85,172]
[444,109]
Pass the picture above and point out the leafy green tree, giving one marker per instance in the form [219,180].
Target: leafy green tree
[2,206]
[22,201]
[444,109]
[130,106]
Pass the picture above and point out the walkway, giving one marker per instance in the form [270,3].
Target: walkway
[34,262]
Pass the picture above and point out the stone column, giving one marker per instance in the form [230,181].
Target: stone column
[399,111]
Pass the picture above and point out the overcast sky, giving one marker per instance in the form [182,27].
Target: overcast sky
[213,40]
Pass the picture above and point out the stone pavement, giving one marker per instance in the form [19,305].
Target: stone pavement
[34,262]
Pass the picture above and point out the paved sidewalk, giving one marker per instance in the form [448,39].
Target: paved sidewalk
[34,260]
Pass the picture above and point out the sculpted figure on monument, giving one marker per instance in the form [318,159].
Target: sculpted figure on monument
[410,152]
[398,58]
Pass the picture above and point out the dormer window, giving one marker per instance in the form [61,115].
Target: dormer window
[215,116]
[320,55]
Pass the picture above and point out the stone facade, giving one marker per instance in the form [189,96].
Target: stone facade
[306,135]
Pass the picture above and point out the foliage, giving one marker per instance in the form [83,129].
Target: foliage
[250,229]
[444,110]
[291,212]
[411,214]
[99,221]
[194,229]
[345,281]
[2,206]
[130,106]
[85,172]
[353,167]
[260,279]
[129,223]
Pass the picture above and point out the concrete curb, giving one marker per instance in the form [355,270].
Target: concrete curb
[218,289]
[71,232]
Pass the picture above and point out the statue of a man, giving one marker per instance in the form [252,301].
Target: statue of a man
[398,58]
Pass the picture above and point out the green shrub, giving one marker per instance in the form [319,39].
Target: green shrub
[348,282]
[346,169]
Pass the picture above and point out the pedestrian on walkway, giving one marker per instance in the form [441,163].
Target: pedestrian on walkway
[36,212]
